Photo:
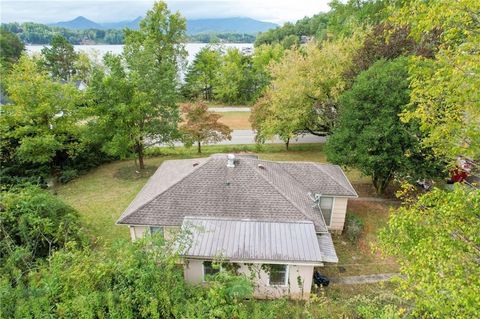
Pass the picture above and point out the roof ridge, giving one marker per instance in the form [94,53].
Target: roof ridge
[331,177]
[249,220]
[151,200]
[282,193]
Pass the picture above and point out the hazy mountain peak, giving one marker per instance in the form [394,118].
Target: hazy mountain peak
[194,26]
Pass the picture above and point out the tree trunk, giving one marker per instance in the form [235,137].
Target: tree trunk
[141,163]
[380,183]
[287,143]
[199,147]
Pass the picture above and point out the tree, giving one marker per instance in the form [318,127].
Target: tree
[39,127]
[11,48]
[445,90]
[369,134]
[60,58]
[202,126]
[230,77]
[304,90]
[389,41]
[134,101]
[262,57]
[437,243]
[201,75]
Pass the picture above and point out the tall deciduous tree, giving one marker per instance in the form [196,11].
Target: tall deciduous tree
[202,126]
[370,136]
[60,58]
[304,91]
[202,73]
[436,240]
[39,126]
[230,77]
[445,90]
[11,48]
[135,100]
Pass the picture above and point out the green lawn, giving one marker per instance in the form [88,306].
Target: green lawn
[102,194]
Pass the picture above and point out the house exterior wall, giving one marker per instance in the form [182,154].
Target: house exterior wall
[339,211]
[138,232]
[299,279]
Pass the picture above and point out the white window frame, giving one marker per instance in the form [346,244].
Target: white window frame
[287,273]
[331,211]
[203,269]
[159,227]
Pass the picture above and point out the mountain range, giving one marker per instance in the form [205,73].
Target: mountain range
[194,26]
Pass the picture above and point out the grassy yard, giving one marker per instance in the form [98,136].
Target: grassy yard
[236,120]
[358,258]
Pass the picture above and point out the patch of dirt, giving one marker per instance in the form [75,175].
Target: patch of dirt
[367,190]
[130,173]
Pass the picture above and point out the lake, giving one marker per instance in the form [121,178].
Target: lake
[101,49]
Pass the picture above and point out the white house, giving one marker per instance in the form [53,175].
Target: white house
[270,219]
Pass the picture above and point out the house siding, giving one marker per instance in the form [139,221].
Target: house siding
[138,232]
[299,279]
[339,211]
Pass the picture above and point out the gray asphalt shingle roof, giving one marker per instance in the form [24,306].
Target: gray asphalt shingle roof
[252,240]
[254,189]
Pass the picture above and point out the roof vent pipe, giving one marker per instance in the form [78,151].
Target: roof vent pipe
[231,160]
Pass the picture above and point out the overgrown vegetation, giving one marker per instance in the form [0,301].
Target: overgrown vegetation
[394,84]
[353,227]
[436,241]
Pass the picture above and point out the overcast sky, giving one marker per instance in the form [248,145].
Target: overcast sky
[278,11]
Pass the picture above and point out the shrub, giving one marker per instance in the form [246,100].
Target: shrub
[67,175]
[36,220]
[353,227]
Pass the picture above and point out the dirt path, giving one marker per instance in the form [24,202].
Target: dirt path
[363,279]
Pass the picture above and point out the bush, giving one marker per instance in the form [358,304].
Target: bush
[353,227]
[36,220]
[67,175]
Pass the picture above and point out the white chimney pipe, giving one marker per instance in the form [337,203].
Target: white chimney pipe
[231,160]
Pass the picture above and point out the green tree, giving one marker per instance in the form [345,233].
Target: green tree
[445,90]
[202,126]
[437,243]
[230,76]
[134,101]
[39,127]
[11,48]
[60,58]
[304,91]
[201,74]
[370,136]
[263,56]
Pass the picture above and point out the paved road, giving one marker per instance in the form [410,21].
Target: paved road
[229,109]
[248,137]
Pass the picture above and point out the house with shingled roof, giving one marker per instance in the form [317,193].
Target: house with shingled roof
[272,218]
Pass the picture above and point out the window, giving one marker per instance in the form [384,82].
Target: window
[154,230]
[209,269]
[326,204]
[278,275]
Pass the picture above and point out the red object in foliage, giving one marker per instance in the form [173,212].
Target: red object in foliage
[458,175]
